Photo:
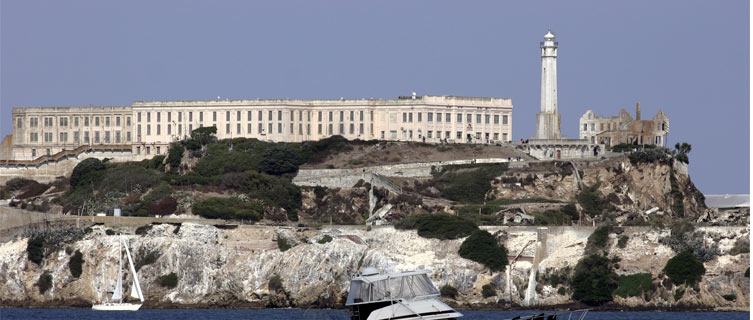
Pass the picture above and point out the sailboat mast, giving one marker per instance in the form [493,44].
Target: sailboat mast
[120,267]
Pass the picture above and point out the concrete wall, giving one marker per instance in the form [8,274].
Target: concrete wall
[48,171]
[348,181]
[346,178]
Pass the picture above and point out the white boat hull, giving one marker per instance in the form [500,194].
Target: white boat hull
[429,309]
[116,307]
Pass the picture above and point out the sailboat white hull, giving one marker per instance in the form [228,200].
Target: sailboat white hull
[116,307]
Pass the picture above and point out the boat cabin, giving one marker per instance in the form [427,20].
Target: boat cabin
[373,286]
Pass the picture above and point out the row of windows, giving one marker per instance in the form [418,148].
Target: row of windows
[260,129]
[408,134]
[148,150]
[609,126]
[271,115]
[76,138]
[408,117]
[65,121]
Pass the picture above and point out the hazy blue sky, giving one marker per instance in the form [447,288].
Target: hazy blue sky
[689,58]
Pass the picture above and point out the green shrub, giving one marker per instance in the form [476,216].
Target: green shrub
[488,290]
[742,245]
[747,273]
[685,268]
[16,184]
[218,159]
[33,189]
[229,208]
[550,218]
[193,146]
[318,151]
[633,285]
[613,198]
[482,247]
[75,264]
[594,280]
[35,249]
[679,292]
[278,160]
[275,284]
[168,281]
[440,226]
[204,135]
[157,163]
[657,155]
[143,230]
[109,232]
[320,192]
[283,244]
[598,240]
[590,200]
[571,211]
[127,178]
[561,291]
[162,207]
[148,259]
[45,282]
[87,172]
[448,291]
[467,183]
[161,191]
[677,196]
[622,241]
[77,196]
[273,190]
[326,238]
[88,230]
[175,154]
[729,297]
[682,150]
[623,147]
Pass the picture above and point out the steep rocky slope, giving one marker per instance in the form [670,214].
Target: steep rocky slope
[626,186]
[234,267]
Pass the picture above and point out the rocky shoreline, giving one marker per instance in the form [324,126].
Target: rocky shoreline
[234,268]
[241,305]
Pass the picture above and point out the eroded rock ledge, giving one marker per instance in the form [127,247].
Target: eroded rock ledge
[232,268]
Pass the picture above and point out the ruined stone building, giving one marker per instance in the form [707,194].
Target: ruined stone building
[146,128]
[622,128]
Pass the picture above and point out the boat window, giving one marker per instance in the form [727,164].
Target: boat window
[399,287]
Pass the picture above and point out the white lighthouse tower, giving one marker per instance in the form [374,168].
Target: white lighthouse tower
[548,120]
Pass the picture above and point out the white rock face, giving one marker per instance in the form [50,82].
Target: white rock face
[217,267]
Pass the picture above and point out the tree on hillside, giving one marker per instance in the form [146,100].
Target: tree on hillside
[175,154]
[681,151]
[278,160]
[86,172]
[594,280]
[204,135]
[590,199]
[482,247]
[685,268]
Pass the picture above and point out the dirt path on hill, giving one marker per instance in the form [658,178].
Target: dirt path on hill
[408,152]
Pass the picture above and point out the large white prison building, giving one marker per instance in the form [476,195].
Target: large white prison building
[148,127]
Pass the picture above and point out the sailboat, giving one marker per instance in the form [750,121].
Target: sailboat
[116,302]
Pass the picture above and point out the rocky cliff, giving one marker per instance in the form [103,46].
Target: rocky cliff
[624,185]
[241,266]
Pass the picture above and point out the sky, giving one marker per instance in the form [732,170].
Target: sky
[688,58]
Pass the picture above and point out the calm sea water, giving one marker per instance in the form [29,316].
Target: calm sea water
[274,314]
